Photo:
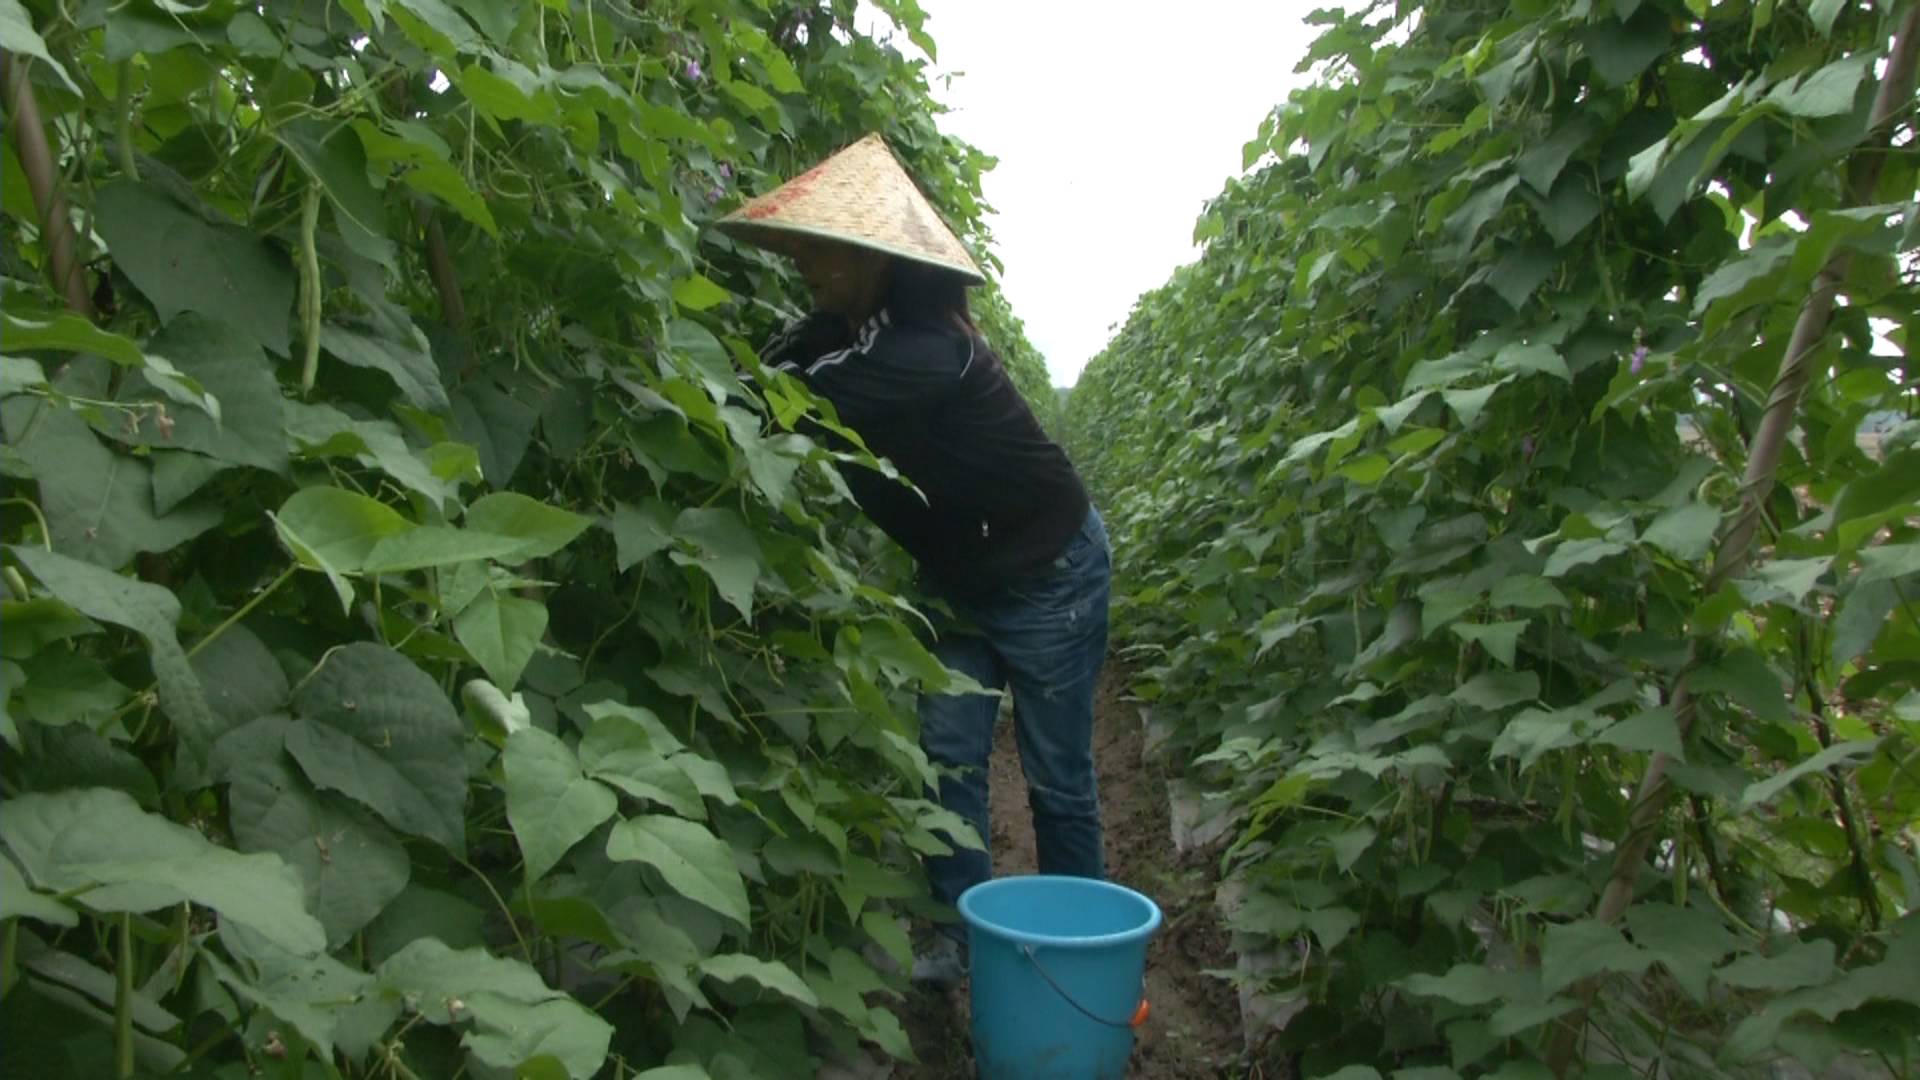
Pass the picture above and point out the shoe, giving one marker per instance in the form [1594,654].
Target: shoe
[939,961]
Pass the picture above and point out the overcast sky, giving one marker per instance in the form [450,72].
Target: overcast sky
[1114,122]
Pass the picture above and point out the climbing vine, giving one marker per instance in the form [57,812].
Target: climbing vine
[1516,506]
[431,647]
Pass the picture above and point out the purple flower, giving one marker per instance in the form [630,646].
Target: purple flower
[693,70]
[716,193]
[1526,446]
[726,171]
[1639,359]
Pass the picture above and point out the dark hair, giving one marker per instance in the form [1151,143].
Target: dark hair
[928,295]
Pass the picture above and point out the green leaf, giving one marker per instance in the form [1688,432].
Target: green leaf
[1495,690]
[1574,951]
[419,547]
[698,293]
[1791,579]
[231,367]
[1863,615]
[180,262]
[1745,676]
[503,96]
[691,860]
[725,550]
[1535,733]
[1365,471]
[18,900]
[98,504]
[1656,730]
[17,36]
[1685,941]
[1827,92]
[99,843]
[323,431]
[542,529]
[1837,756]
[409,363]
[1825,13]
[502,632]
[1523,270]
[323,999]
[375,728]
[1464,984]
[1621,50]
[1521,359]
[332,155]
[632,750]
[350,865]
[147,610]
[19,375]
[1685,532]
[1499,639]
[1800,963]
[334,531]
[1527,591]
[1469,404]
[1575,553]
[551,803]
[1887,562]
[640,531]
[767,974]
[515,1016]
[67,332]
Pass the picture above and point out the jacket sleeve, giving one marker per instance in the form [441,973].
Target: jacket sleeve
[887,371]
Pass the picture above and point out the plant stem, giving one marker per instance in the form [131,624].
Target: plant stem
[243,610]
[123,107]
[310,284]
[36,160]
[9,944]
[123,1002]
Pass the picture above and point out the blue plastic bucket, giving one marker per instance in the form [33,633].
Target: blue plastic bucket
[1058,969]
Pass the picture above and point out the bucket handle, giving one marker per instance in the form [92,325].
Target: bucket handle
[1139,1014]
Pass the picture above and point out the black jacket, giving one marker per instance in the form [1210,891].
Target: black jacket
[1002,500]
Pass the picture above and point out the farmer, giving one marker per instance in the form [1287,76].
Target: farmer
[1005,533]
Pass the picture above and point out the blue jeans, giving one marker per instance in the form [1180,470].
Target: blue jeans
[1046,639]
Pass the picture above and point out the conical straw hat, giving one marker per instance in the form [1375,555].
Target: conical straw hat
[860,195]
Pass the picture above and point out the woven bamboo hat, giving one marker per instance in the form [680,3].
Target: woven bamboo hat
[861,195]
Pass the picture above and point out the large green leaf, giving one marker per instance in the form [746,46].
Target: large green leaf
[372,726]
[515,1016]
[97,843]
[501,631]
[351,865]
[408,363]
[542,529]
[334,531]
[1835,756]
[332,155]
[690,859]
[767,974]
[17,36]
[640,531]
[99,504]
[724,548]
[181,262]
[324,431]
[1685,532]
[1577,950]
[147,610]
[231,366]
[631,750]
[551,802]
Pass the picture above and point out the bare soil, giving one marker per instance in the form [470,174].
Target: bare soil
[1194,1028]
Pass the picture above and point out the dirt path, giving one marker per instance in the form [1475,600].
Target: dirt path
[1194,1030]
